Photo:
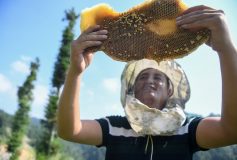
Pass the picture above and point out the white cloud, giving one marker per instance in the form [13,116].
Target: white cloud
[26,58]
[8,94]
[40,95]
[5,84]
[21,67]
[112,84]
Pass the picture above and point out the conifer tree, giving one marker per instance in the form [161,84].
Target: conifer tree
[50,144]
[61,65]
[21,117]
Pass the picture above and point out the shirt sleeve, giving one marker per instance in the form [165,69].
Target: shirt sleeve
[192,135]
[105,131]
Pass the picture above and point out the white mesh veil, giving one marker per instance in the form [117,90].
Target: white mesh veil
[171,68]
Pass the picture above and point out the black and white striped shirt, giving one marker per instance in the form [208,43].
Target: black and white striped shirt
[122,143]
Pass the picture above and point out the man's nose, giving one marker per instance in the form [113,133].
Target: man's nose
[150,80]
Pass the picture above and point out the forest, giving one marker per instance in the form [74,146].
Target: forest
[74,151]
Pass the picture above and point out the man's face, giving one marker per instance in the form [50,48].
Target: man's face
[151,88]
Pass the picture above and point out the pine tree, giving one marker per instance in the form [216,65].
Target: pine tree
[21,117]
[50,144]
[62,62]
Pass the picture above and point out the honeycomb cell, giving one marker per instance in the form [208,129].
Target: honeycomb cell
[147,30]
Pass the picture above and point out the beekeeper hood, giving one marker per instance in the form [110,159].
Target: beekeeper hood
[151,121]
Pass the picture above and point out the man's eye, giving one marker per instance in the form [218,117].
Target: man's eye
[143,77]
[157,78]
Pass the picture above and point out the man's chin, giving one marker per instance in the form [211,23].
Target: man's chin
[149,94]
[149,102]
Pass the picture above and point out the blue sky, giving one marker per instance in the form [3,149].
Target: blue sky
[30,29]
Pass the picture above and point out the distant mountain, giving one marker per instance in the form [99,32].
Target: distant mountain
[74,150]
[35,121]
[85,152]
[5,125]
[6,119]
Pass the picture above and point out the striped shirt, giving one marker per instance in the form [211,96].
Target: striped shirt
[122,143]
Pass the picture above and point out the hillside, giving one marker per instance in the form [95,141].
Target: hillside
[75,151]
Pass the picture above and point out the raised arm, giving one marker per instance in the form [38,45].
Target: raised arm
[70,126]
[219,131]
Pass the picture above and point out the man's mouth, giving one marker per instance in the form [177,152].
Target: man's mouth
[150,88]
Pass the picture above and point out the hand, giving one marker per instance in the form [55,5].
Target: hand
[80,57]
[201,17]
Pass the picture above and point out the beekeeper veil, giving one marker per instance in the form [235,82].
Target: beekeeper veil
[151,121]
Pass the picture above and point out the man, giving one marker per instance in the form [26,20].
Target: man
[201,134]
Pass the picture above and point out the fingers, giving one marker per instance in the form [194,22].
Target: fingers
[95,30]
[88,44]
[199,17]
[194,18]
[81,56]
[91,41]
[198,13]
[91,37]
[100,32]
[196,8]
[91,29]
[199,24]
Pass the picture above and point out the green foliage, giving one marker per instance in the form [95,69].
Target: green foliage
[43,144]
[73,150]
[58,156]
[21,117]
[41,156]
[50,144]
[46,149]
[51,109]
[15,155]
[15,141]
[55,146]
[46,145]
[93,153]
[62,62]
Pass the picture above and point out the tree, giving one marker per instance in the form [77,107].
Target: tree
[49,142]
[21,117]
[62,62]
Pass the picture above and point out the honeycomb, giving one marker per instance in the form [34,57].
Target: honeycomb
[147,30]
